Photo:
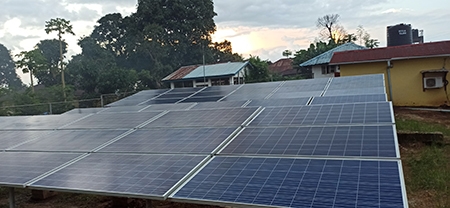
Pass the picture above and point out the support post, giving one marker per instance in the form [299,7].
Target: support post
[50,108]
[101,101]
[12,200]
[389,80]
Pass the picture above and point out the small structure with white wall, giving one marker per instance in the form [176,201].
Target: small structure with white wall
[231,73]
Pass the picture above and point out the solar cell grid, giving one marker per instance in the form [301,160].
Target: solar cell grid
[138,175]
[11,138]
[138,98]
[225,88]
[162,101]
[348,99]
[279,102]
[359,113]
[71,140]
[85,110]
[174,95]
[18,168]
[185,90]
[178,106]
[199,99]
[307,82]
[351,141]
[113,120]
[300,88]
[286,95]
[122,109]
[297,182]
[203,118]
[173,140]
[355,91]
[224,104]
[41,122]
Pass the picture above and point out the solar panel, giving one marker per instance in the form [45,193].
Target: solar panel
[279,102]
[138,98]
[253,91]
[135,175]
[359,113]
[162,101]
[185,90]
[290,182]
[175,95]
[335,141]
[11,138]
[203,118]
[113,120]
[286,95]
[225,104]
[19,168]
[307,82]
[85,110]
[198,99]
[159,107]
[349,99]
[357,91]
[301,88]
[357,82]
[41,122]
[173,140]
[71,140]
[122,109]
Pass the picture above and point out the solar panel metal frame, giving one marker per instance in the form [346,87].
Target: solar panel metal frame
[280,102]
[174,198]
[392,117]
[223,151]
[329,98]
[34,183]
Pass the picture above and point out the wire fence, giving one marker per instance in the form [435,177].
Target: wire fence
[61,107]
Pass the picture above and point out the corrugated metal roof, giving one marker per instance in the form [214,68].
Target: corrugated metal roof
[393,52]
[217,70]
[325,58]
[180,73]
[282,66]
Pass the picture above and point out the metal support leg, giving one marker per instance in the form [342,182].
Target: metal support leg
[12,200]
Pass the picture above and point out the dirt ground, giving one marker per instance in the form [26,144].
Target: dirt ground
[70,200]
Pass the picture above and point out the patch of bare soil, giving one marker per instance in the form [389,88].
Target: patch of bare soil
[442,118]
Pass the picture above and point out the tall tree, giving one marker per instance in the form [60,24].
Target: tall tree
[50,50]
[31,62]
[258,70]
[364,37]
[329,23]
[8,75]
[61,26]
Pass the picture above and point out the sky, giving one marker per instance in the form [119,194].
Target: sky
[263,28]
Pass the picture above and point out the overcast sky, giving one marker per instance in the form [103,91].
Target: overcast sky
[262,28]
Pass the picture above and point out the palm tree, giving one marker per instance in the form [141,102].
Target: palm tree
[30,62]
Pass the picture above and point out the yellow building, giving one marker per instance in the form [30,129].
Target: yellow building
[415,75]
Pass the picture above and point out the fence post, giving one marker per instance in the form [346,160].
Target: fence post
[50,108]
[101,100]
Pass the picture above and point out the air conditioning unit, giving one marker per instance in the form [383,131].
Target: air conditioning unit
[433,82]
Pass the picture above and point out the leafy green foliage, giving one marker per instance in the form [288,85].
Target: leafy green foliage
[313,51]
[48,76]
[258,70]
[8,75]
[31,62]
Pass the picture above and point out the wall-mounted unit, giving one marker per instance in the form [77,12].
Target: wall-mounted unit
[433,82]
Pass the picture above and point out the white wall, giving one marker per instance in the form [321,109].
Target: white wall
[317,72]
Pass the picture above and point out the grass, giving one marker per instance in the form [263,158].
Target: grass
[420,126]
[427,167]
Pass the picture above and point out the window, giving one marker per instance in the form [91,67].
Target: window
[324,70]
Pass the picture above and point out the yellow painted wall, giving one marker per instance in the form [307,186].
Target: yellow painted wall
[406,80]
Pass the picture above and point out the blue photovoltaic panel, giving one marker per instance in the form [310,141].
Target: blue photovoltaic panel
[113,120]
[253,91]
[138,98]
[175,95]
[173,140]
[280,102]
[198,99]
[85,110]
[186,90]
[122,109]
[355,91]
[162,101]
[139,175]
[357,82]
[17,168]
[359,113]
[41,122]
[290,182]
[71,140]
[335,141]
[307,82]
[232,117]
[224,104]
[349,99]
[286,95]
[177,106]
[11,138]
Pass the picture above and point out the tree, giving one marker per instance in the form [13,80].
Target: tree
[31,62]
[287,53]
[61,26]
[223,52]
[258,70]
[50,50]
[364,37]
[329,23]
[8,75]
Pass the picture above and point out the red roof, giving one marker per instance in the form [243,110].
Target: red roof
[394,52]
[283,66]
[181,72]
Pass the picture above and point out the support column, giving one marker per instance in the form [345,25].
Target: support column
[12,200]
[231,80]
[172,85]
[209,83]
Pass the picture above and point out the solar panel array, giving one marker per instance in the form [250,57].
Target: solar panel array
[304,143]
